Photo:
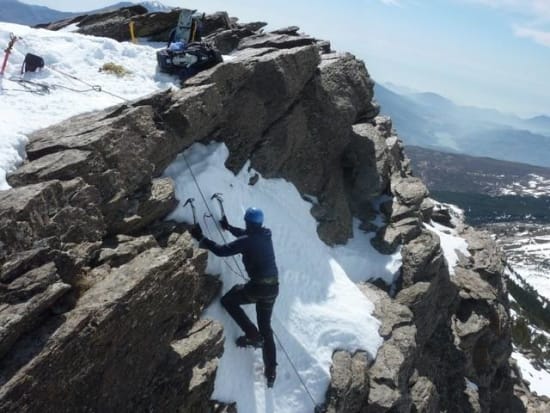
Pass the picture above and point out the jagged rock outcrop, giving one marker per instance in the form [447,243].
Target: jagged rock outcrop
[218,29]
[93,277]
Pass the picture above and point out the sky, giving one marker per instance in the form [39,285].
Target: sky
[484,53]
[319,308]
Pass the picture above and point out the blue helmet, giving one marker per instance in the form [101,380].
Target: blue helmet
[254,215]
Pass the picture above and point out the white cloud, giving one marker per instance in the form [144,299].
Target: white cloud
[539,36]
[541,8]
[535,16]
[533,8]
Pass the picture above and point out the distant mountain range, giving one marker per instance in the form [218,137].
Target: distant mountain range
[444,171]
[488,190]
[14,11]
[433,121]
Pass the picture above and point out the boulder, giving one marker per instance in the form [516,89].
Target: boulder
[124,249]
[349,387]
[366,166]
[409,191]
[176,387]
[226,41]
[113,24]
[131,316]
[23,261]
[389,375]
[387,239]
[217,22]
[431,303]
[349,85]
[25,214]
[472,286]
[278,41]
[24,301]
[425,397]
[422,258]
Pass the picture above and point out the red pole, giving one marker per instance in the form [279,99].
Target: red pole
[7,52]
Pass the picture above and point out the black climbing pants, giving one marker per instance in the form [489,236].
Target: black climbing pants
[263,295]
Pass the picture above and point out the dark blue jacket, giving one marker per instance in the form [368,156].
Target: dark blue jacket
[256,247]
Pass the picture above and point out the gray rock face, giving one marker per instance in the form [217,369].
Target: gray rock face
[115,24]
[422,258]
[155,294]
[91,277]
[278,40]
[366,164]
[25,299]
[349,388]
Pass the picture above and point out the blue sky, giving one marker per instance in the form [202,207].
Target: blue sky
[486,53]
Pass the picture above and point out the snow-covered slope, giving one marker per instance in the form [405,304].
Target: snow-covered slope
[71,72]
[527,248]
[319,308]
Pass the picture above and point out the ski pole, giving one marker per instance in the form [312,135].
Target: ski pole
[191,201]
[7,52]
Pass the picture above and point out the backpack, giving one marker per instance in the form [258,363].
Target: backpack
[188,27]
[32,63]
[187,60]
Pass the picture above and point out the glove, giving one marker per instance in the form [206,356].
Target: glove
[224,224]
[196,232]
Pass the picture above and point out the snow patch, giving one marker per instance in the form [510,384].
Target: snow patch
[319,308]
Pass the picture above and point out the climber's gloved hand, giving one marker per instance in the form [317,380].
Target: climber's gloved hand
[196,232]
[224,224]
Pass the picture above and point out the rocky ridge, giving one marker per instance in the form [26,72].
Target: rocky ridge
[96,287]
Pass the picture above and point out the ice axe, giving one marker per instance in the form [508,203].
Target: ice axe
[218,197]
[191,201]
[7,51]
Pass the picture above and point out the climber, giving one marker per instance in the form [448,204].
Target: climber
[256,247]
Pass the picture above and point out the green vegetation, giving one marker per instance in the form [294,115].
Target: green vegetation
[483,209]
[534,310]
[536,307]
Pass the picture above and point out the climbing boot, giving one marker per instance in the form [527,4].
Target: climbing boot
[244,341]
[270,375]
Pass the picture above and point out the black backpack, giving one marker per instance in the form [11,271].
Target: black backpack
[191,59]
[32,63]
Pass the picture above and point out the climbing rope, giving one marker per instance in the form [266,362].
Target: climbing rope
[317,408]
[223,260]
[240,273]
[36,88]
[42,88]
[96,88]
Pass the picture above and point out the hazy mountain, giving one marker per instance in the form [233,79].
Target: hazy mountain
[433,121]
[540,123]
[14,11]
